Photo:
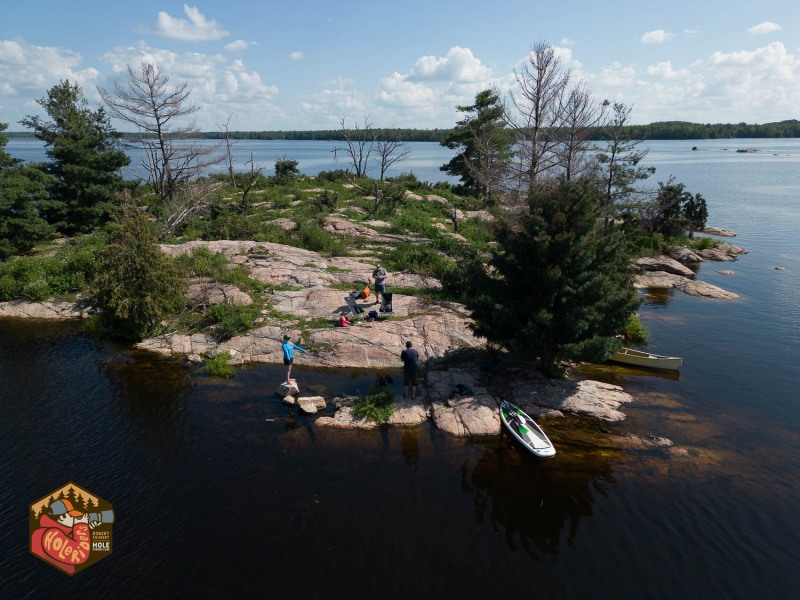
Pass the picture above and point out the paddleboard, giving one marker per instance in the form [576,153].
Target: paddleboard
[525,429]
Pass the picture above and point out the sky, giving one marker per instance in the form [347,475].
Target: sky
[309,64]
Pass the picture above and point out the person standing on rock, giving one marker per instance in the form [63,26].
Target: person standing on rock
[288,354]
[379,274]
[410,358]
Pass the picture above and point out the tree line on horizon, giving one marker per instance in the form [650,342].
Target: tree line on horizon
[659,130]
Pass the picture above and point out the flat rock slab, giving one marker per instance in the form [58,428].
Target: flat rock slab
[591,398]
[345,419]
[408,412]
[311,405]
[43,310]
[692,287]
[663,263]
[471,414]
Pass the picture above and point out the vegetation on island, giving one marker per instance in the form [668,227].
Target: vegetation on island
[548,278]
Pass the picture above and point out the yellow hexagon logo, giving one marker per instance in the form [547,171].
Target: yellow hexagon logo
[70,528]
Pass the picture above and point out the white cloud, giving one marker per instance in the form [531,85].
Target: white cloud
[765,27]
[219,87]
[239,45]
[400,90]
[196,29]
[296,56]
[690,31]
[28,71]
[664,70]
[460,65]
[659,36]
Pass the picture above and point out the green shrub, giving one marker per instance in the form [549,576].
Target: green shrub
[418,258]
[219,365]
[137,285]
[338,175]
[703,243]
[232,319]
[377,405]
[634,331]
[37,278]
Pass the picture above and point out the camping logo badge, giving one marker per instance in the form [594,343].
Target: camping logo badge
[70,528]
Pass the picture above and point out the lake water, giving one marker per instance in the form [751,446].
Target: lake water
[424,158]
[221,491]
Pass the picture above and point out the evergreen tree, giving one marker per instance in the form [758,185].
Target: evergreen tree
[484,147]
[675,210]
[559,288]
[619,161]
[84,160]
[138,285]
[23,195]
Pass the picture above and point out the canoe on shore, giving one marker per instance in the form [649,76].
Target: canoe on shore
[630,356]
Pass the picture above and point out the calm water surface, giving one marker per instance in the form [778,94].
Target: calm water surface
[221,491]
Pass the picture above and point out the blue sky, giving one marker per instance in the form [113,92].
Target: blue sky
[299,64]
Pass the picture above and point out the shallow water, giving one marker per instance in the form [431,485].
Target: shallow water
[222,491]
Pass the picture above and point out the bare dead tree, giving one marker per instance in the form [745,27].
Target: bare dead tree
[390,152]
[146,101]
[581,117]
[537,114]
[228,150]
[248,182]
[190,198]
[359,144]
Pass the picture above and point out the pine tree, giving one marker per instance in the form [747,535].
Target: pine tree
[559,288]
[84,159]
[23,197]
[483,144]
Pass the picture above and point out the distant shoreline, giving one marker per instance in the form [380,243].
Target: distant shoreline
[666,130]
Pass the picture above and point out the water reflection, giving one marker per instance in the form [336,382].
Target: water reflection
[151,395]
[538,505]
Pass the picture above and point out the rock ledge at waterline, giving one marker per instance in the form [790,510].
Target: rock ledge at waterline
[476,413]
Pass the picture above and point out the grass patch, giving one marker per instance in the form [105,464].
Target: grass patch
[72,268]
[219,365]
[202,263]
[377,405]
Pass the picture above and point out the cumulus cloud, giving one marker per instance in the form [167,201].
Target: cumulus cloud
[28,70]
[460,65]
[659,36]
[664,70]
[765,27]
[196,29]
[217,84]
[239,45]
[400,90]
[296,56]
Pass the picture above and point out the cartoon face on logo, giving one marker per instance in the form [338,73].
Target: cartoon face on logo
[70,528]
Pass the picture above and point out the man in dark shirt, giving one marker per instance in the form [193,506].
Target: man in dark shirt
[410,358]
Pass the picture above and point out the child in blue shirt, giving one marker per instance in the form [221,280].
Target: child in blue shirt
[288,354]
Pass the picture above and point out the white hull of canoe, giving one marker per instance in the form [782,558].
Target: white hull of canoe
[524,428]
[638,358]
